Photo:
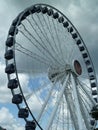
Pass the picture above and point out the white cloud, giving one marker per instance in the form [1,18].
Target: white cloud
[8,121]
[35,104]
[24,81]
[5,94]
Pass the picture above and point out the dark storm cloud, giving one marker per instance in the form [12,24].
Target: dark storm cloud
[82,13]
[26,3]
[84,16]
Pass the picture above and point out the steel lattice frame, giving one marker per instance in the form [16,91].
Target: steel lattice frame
[10,45]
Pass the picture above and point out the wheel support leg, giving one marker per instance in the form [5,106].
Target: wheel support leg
[76,102]
[57,103]
[71,107]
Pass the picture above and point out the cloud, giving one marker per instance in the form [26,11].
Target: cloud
[84,17]
[35,104]
[5,93]
[8,121]
[24,82]
[6,19]
[81,13]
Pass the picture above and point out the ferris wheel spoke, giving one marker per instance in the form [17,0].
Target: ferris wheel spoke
[37,90]
[57,122]
[52,35]
[50,105]
[48,28]
[42,46]
[57,103]
[76,101]
[81,83]
[86,113]
[58,40]
[44,34]
[31,54]
[59,118]
[55,37]
[38,48]
[71,108]
[69,119]
[69,56]
[42,40]
[52,94]
[87,102]
[36,40]
[85,116]
[46,101]
[18,45]
[87,93]
[42,87]
[83,111]
[64,38]
[86,108]
[64,114]
[40,29]
[60,30]
[62,111]
[37,58]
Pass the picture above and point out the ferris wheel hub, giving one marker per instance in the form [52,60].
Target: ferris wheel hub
[58,73]
[77,67]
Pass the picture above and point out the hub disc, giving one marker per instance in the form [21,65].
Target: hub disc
[77,67]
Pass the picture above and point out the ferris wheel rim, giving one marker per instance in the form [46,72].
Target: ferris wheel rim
[80,38]
[83,56]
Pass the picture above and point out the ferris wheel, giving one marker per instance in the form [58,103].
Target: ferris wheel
[50,72]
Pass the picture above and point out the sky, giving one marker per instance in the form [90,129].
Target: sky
[82,13]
